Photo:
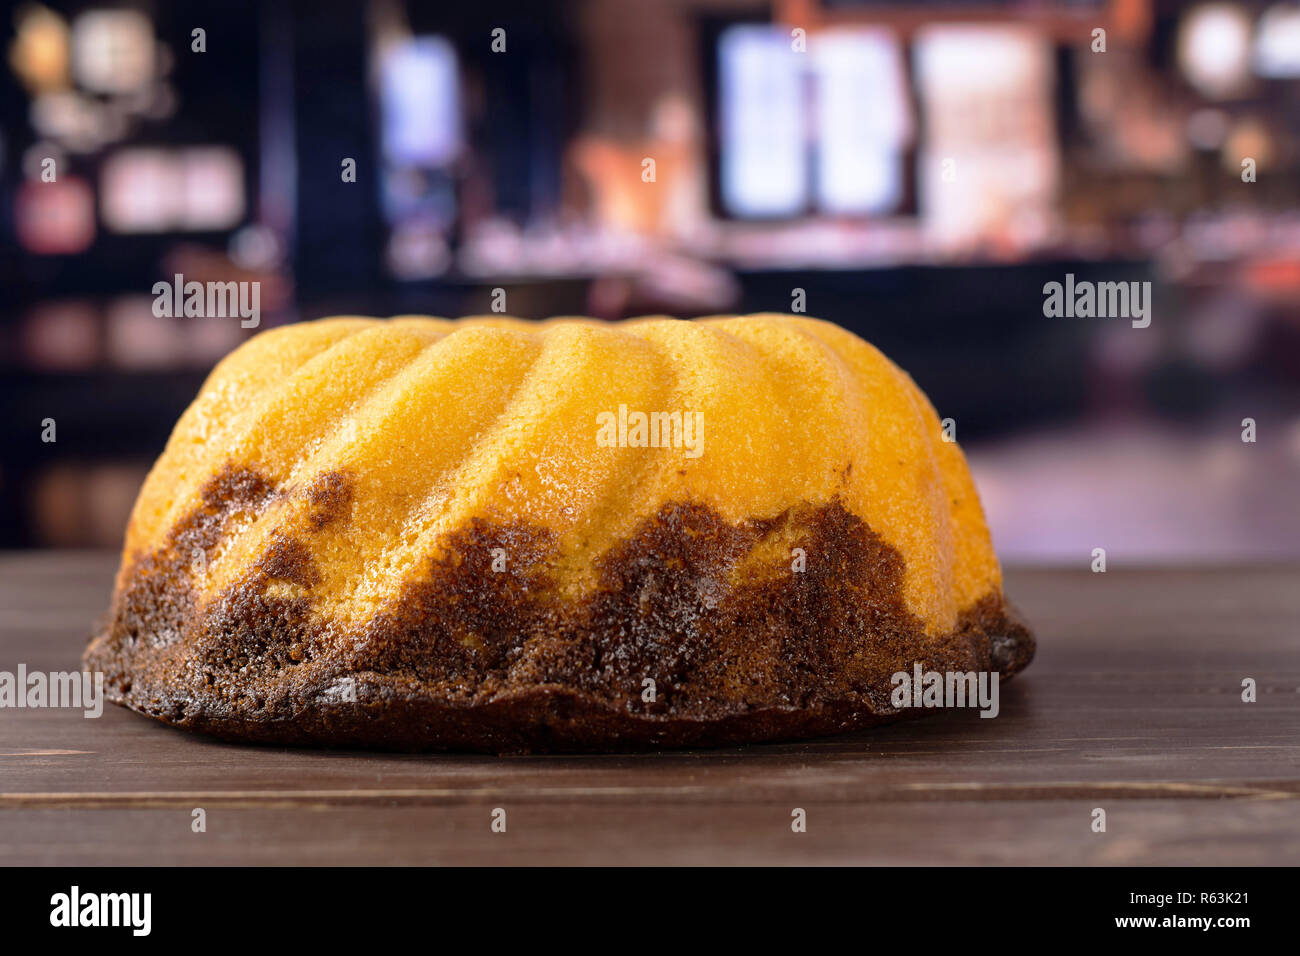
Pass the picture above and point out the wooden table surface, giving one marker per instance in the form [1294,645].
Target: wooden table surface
[1133,705]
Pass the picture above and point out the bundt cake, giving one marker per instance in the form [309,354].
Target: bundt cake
[493,534]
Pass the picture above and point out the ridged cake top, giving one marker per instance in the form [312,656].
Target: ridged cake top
[411,427]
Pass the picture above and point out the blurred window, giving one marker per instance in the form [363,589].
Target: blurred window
[420,109]
[764,161]
[849,160]
[989,161]
[420,102]
[862,121]
[1277,42]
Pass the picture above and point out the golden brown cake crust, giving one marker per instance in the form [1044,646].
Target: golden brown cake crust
[469,657]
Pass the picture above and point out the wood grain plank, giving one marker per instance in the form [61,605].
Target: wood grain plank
[1133,704]
[1051,832]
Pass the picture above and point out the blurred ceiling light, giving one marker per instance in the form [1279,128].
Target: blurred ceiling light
[113,51]
[55,218]
[420,102]
[1214,49]
[138,190]
[212,193]
[38,54]
[77,122]
[1277,42]
[764,164]
[155,190]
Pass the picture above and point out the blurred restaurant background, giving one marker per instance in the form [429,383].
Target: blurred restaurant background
[916,171]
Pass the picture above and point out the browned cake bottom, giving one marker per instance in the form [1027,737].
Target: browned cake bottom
[471,658]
